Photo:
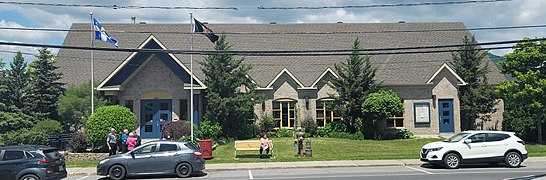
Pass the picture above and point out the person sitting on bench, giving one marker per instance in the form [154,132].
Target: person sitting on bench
[264,144]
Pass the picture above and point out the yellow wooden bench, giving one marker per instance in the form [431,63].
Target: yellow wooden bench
[250,145]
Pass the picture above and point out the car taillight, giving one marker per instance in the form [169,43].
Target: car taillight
[198,154]
[45,160]
[521,142]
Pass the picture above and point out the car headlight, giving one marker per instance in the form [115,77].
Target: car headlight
[435,149]
[104,161]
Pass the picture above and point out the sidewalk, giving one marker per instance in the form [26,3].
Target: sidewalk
[301,164]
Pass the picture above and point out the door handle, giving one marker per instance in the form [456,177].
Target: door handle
[176,154]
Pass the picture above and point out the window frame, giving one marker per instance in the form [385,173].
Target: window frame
[415,112]
[292,110]
[161,144]
[325,112]
[4,155]
[394,119]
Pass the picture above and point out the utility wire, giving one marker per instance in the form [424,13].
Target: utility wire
[289,33]
[113,6]
[381,5]
[285,53]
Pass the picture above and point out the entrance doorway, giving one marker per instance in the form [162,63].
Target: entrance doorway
[154,114]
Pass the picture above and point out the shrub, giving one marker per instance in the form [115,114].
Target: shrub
[284,132]
[49,127]
[404,134]
[78,143]
[338,126]
[310,126]
[177,129]
[98,125]
[25,136]
[267,123]
[248,131]
[209,130]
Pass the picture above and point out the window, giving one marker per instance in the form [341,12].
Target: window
[422,113]
[477,138]
[28,155]
[168,147]
[183,109]
[129,104]
[396,121]
[150,148]
[325,113]
[13,155]
[284,112]
[491,137]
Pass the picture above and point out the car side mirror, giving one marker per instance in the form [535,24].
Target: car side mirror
[467,141]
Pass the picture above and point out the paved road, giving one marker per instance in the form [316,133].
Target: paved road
[385,172]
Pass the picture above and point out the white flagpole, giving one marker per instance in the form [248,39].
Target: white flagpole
[92,64]
[191,79]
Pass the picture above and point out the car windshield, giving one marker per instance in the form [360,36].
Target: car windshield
[456,137]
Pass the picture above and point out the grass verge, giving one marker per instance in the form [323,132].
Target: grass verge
[327,149]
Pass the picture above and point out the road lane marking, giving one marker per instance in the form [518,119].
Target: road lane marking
[421,170]
[250,174]
[82,178]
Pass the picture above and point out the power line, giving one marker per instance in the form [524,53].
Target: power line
[114,6]
[381,5]
[382,51]
[290,33]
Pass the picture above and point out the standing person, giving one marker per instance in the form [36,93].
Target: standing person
[111,141]
[137,138]
[264,144]
[124,140]
[131,142]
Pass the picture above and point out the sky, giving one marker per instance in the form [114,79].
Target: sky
[511,13]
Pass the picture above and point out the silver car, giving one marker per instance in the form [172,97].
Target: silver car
[157,157]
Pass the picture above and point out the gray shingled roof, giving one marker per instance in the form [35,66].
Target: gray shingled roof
[408,69]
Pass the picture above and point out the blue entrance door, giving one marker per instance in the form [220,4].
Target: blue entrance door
[154,114]
[446,115]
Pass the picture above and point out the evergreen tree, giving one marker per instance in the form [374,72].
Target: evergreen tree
[477,98]
[43,88]
[355,82]
[4,98]
[17,80]
[230,94]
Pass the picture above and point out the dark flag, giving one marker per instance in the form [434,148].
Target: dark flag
[201,28]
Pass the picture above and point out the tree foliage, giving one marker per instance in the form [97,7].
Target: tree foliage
[355,81]
[526,97]
[4,91]
[98,125]
[377,107]
[44,87]
[74,106]
[478,98]
[17,81]
[230,94]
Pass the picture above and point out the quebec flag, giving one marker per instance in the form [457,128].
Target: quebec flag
[100,33]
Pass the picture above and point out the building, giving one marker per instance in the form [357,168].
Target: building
[156,85]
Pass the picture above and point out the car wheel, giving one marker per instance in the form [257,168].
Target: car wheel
[117,172]
[184,170]
[452,161]
[29,177]
[512,159]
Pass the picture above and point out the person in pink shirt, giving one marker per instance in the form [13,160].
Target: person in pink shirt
[131,142]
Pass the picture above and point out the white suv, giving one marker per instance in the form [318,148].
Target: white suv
[476,147]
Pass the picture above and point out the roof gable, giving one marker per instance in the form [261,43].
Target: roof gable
[133,63]
[449,69]
[284,70]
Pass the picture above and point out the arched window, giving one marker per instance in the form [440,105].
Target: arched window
[325,114]
[284,112]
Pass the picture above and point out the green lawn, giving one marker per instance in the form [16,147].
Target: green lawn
[325,149]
